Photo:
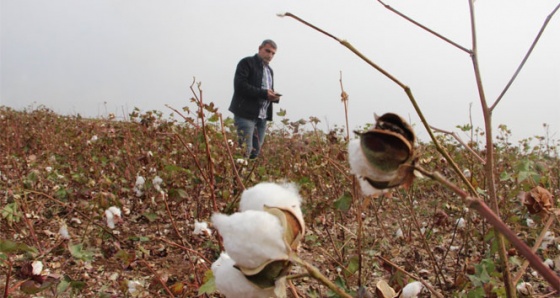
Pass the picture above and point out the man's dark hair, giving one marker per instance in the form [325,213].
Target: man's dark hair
[270,42]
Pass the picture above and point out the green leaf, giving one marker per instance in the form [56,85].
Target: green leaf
[344,202]
[209,285]
[63,285]
[353,265]
[11,213]
[80,253]
[7,246]
[150,216]
[214,118]
[281,113]
[174,168]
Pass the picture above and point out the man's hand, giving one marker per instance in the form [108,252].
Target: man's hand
[273,96]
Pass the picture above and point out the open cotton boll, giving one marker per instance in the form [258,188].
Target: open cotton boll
[360,167]
[232,283]
[37,267]
[63,231]
[285,195]
[412,290]
[139,185]
[113,215]
[156,182]
[201,227]
[251,237]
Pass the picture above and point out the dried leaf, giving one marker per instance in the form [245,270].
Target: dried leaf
[383,290]
[538,200]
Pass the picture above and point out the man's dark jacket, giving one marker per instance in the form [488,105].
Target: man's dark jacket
[248,94]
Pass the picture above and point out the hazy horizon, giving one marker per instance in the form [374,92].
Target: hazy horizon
[98,57]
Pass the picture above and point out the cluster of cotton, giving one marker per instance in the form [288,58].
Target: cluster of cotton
[156,182]
[92,140]
[63,231]
[258,241]
[201,227]
[139,186]
[113,215]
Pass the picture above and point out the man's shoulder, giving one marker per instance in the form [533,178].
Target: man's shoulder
[252,59]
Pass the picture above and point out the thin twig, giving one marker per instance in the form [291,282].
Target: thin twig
[548,18]
[425,28]
[164,198]
[537,244]
[498,224]
[456,137]
[406,90]
[315,273]
[156,276]
[230,155]
[211,179]
[427,285]
[185,249]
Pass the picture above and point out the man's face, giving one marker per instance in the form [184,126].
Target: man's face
[267,52]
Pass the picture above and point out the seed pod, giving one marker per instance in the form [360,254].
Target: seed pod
[388,150]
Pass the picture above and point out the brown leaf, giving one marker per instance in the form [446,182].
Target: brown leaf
[538,200]
[383,290]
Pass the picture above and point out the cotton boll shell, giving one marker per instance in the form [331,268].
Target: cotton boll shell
[232,283]
[252,238]
[360,166]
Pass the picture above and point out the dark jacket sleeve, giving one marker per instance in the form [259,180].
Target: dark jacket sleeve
[246,80]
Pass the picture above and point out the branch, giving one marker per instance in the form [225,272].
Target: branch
[427,285]
[456,137]
[406,90]
[426,28]
[315,273]
[500,226]
[548,18]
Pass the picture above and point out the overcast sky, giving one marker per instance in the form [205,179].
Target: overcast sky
[96,57]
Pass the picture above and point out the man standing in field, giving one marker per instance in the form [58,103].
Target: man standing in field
[253,96]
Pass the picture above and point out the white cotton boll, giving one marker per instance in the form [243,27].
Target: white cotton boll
[201,227]
[113,215]
[48,169]
[156,182]
[530,223]
[139,185]
[242,161]
[467,173]
[525,288]
[93,138]
[284,195]
[548,239]
[232,283]
[63,231]
[460,223]
[252,237]
[549,263]
[412,290]
[133,287]
[360,167]
[140,181]
[399,234]
[37,267]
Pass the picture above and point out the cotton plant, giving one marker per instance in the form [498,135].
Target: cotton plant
[260,241]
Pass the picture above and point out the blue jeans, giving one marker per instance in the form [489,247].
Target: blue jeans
[250,134]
